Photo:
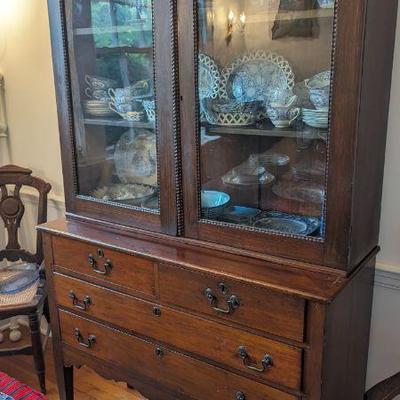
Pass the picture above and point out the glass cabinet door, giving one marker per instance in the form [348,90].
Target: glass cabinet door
[113,94]
[263,92]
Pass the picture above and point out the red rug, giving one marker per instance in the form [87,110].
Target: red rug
[17,390]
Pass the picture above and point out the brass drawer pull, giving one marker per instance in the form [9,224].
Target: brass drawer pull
[266,362]
[232,302]
[80,304]
[240,395]
[87,344]
[93,263]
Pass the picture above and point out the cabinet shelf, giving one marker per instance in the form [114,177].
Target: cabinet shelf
[123,49]
[267,129]
[118,123]
[268,16]
[114,29]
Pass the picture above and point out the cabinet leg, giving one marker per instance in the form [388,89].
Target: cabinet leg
[69,383]
[34,324]
[65,382]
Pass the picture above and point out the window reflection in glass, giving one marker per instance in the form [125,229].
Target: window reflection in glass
[114,104]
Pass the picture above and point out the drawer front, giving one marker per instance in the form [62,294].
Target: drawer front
[110,266]
[185,375]
[261,357]
[233,301]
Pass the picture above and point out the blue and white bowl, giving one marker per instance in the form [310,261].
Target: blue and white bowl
[213,203]
[326,3]
[319,89]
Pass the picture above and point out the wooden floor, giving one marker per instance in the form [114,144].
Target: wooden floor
[88,385]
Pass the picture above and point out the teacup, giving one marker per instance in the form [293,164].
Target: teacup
[320,97]
[121,95]
[98,82]
[130,93]
[283,115]
[97,94]
[127,112]
[281,96]
[121,108]
[319,89]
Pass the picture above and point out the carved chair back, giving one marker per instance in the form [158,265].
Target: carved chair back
[12,210]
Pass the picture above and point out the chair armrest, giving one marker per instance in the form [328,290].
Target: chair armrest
[385,390]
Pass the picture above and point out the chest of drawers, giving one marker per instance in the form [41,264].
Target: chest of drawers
[176,326]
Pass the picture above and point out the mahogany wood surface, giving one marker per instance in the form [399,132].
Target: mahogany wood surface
[203,338]
[372,125]
[260,309]
[154,362]
[286,276]
[347,328]
[137,273]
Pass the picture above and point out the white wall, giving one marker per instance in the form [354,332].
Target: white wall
[25,60]
[384,355]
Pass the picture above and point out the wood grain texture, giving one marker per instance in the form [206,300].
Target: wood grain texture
[170,369]
[136,273]
[290,277]
[260,309]
[198,336]
[371,139]
[315,337]
[347,330]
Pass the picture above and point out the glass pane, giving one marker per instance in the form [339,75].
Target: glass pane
[264,98]
[114,104]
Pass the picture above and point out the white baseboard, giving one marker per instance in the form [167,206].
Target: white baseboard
[387,276]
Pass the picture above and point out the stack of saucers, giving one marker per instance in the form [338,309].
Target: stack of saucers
[97,108]
[316,118]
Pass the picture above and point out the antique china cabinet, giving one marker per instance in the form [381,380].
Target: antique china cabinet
[223,165]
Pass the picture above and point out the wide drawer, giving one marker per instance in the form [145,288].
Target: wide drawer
[234,301]
[133,272]
[140,358]
[266,359]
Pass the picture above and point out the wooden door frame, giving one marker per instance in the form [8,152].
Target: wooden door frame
[345,99]
[165,76]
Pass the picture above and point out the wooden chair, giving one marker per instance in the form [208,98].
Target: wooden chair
[11,211]
[385,390]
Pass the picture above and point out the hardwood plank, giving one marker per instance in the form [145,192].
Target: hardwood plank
[88,385]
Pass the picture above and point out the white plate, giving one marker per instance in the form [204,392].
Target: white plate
[209,77]
[135,157]
[256,76]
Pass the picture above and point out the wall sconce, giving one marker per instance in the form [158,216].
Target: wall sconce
[3,121]
[233,23]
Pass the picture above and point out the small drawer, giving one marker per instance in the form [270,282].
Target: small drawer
[260,357]
[165,368]
[101,263]
[234,301]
